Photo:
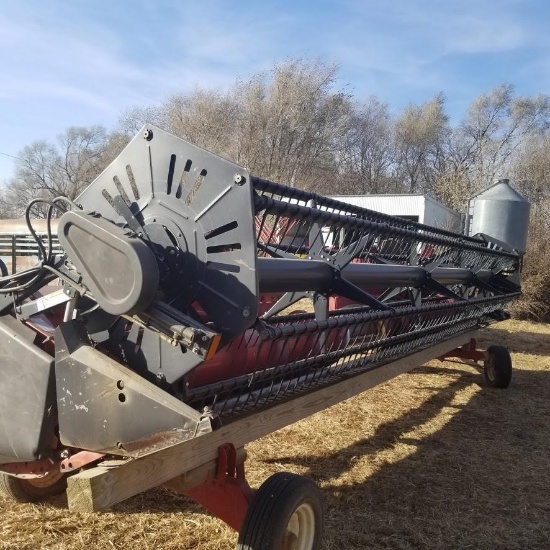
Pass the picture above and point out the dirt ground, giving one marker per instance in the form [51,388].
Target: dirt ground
[433,459]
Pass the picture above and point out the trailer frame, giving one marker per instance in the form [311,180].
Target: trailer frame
[188,465]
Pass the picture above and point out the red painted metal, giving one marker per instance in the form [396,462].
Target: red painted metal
[38,468]
[246,352]
[228,495]
[468,352]
[30,470]
[78,460]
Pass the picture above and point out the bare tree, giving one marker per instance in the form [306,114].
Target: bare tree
[367,148]
[495,126]
[531,170]
[208,118]
[45,170]
[489,143]
[452,183]
[291,122]
[419,134]
[285,125]
[134,118]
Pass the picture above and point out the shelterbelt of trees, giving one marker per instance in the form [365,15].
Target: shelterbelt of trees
[296,126]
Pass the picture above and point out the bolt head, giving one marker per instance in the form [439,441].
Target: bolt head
[240,179]
[148,134]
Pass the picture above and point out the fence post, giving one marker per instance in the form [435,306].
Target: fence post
[13,252]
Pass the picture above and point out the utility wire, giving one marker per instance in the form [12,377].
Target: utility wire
[12,156]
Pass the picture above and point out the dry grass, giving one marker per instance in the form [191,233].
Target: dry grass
[432,459]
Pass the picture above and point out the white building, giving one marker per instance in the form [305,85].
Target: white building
[418,208]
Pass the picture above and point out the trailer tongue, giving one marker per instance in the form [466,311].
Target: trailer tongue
[201,308]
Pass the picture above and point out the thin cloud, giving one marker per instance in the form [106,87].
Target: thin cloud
[396,36]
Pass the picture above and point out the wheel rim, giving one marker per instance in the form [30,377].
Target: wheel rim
[300,531]
[46,480]
[490,369]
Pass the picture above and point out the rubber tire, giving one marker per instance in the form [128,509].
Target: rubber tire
[498,367]
[32,490]
[268,516]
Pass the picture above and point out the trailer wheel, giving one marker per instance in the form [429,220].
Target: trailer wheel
[285,514]
[33,490]
[498,367]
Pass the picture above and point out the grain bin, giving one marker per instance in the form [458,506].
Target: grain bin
[502,213]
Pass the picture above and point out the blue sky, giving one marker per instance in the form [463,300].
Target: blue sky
[77,63]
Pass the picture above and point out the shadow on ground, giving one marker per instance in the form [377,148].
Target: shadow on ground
[518,341]
[482,481]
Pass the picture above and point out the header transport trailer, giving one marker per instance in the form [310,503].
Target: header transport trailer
[183,316]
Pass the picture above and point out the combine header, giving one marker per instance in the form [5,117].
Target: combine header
[193,308]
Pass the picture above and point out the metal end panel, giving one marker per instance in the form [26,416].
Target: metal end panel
[27,400]
[196,210]
[119,269]
[106,407]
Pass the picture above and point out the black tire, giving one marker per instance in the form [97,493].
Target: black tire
[33,490]
[498,367]
[285,514]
